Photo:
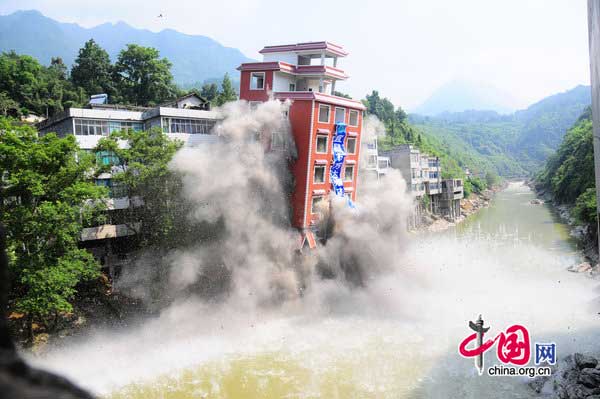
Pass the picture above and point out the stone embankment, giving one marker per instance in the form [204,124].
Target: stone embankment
[575,377]
[468,206]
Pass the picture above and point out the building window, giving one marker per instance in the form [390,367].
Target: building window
[107,158]
[349,173]
[189,126]
[340,115]
[372,161]
[324,113]
[322,144]
[292,86]
[316,201]
[353,118]
[91,127]
[257,81]
[319,174]
[116,126]
[351,145]
[277,141]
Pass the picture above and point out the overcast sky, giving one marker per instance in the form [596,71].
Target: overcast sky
[403,48]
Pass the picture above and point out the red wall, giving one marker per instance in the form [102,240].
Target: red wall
[255,95]
[300,115]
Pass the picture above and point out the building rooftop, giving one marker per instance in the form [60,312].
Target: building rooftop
[308,47]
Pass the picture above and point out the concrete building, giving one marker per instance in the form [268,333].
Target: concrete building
[423,176]
[188,119]
[372,162]
[306,74]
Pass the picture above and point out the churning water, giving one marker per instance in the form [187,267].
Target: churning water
[396,339]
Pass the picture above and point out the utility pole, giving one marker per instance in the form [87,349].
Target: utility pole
[594,47]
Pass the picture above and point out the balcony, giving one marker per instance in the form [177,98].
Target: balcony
[109,231]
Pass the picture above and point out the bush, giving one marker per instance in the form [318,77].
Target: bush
[585,207]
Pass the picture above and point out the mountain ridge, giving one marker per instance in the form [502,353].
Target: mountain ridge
[195,58]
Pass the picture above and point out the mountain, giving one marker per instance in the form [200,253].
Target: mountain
[195,58]
[463,95]
[511,145]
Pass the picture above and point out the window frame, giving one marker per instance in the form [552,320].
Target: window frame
[350,112]
[320,198]
[264,78]
[335,115]
[322,136]
[324,167]
[328,113]
[354,149]
[345,180]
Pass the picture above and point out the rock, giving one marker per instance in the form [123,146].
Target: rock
[576,392]
[536,201]
[590,377]
[580,268]
[584,361]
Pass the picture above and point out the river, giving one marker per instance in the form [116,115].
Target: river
[398,340]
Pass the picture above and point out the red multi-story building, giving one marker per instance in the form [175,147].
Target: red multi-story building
[306,74]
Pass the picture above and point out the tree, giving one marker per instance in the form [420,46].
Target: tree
[143,77]
[491,179]
[146,174]
[210,91]
[227,91]
[8,106]
[92,70]
[43,206]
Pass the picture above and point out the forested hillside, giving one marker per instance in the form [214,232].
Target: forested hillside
[569,173]
[511,145]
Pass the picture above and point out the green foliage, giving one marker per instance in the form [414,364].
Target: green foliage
[147,175]
[570,171]
[210,91]
[92,70]
[227,93]
[45,188]
[143,78]
[585,207]
[491,179]
[26,86]
[474,185]
[508,145]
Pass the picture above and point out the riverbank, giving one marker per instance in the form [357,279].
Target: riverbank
[468,207]
[584,235]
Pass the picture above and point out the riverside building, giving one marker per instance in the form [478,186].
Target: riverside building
[187,118]
[423,176]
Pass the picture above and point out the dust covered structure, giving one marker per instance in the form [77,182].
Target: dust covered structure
[326,127]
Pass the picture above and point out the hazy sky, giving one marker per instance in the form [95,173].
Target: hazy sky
[404,48]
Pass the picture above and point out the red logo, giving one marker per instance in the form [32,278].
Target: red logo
[513,345]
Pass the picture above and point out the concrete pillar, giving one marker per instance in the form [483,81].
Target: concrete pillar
[594,49]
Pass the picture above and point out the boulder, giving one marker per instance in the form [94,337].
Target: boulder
[580,268]
[590,377]
[583,361]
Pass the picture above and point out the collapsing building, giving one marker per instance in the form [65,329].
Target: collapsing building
[423,176]
[326,127]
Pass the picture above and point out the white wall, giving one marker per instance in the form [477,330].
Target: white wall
[281,81]
[290,58]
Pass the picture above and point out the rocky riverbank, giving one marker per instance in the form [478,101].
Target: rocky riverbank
[468,206]
[575,377]
[585,235]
